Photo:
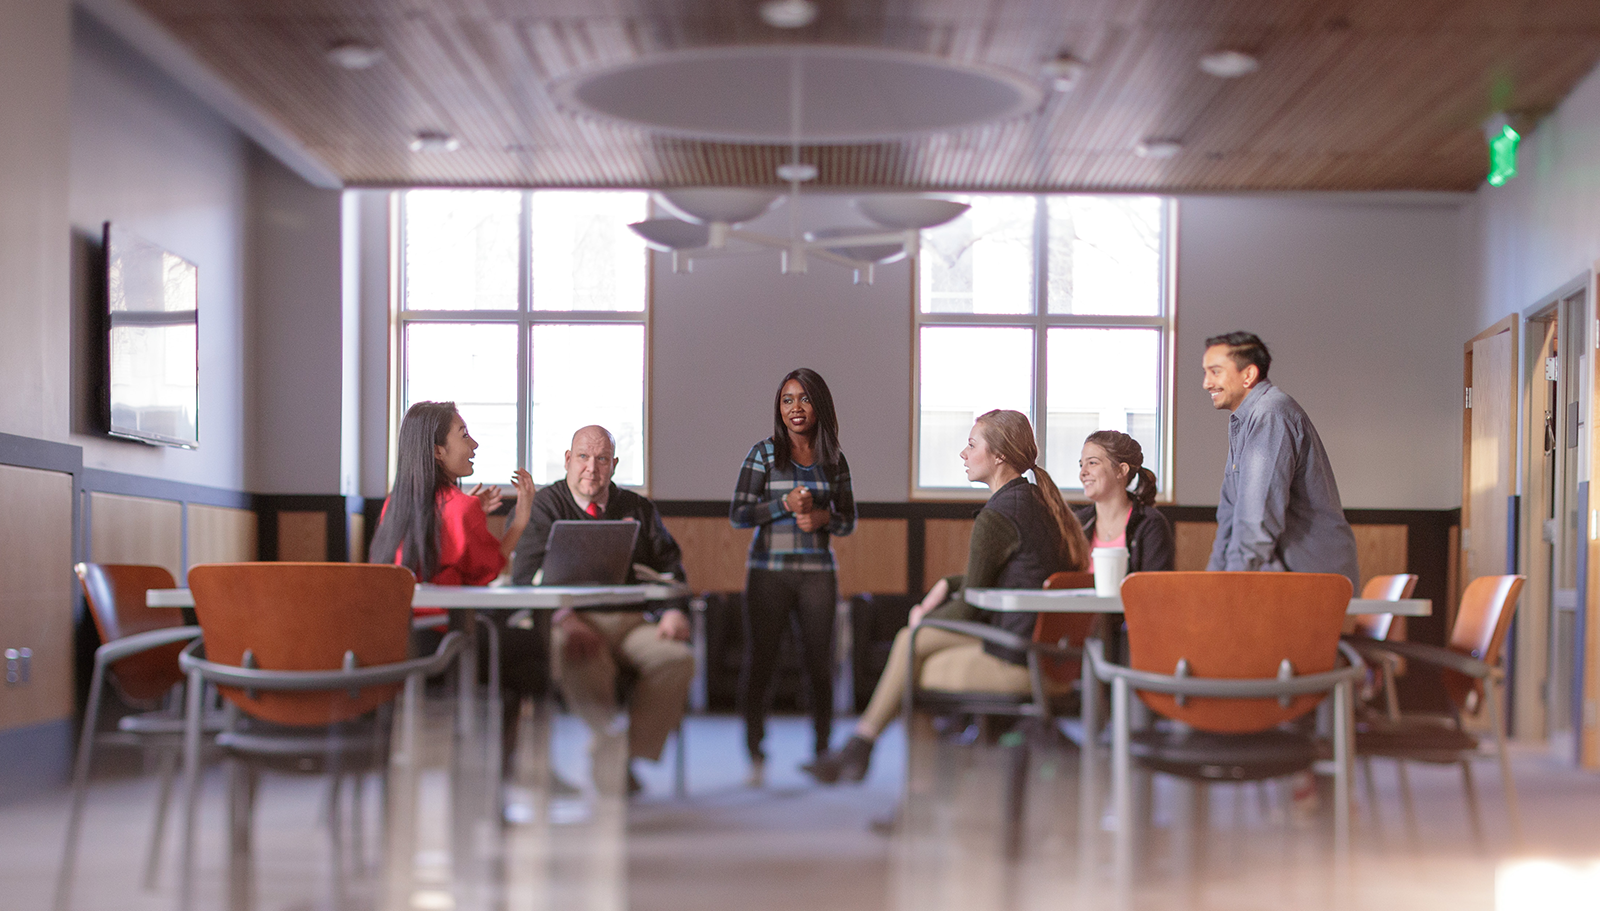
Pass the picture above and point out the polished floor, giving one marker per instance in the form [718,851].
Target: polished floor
[793,845]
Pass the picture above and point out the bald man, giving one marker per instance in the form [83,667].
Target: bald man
[590,647]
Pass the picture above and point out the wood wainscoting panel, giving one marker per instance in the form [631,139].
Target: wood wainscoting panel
[1191,543]
[713,551]
[219,534]
[872,559]
[945,544]
[37,592]
[1381,550]
[136,530]
[355,537]
[303,537]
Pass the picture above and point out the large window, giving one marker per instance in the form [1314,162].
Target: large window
[527,309]
[1055,306]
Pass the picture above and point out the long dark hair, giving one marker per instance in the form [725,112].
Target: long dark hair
[1126,450]
[826,442]
[411,517]
[1009,435]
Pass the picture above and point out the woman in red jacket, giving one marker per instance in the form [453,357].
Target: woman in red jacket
[441,533]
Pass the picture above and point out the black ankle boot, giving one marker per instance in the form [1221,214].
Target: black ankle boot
[849,763]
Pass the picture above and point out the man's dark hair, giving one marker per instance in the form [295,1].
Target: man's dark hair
[1244,349]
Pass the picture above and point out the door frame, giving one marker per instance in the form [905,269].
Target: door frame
[1513,470]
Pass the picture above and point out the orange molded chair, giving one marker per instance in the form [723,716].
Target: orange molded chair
[138,659]
[1395,587]
[1470,669]
[1231,657]
[1054,656]
[306,653]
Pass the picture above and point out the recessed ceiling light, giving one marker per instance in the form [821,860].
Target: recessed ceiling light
[797,171]
[1064,72]
[434,141]
[1229,64]
[1158,148]
[789,13]
[354,55]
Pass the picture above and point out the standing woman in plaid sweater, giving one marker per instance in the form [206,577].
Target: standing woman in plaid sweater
[794,490]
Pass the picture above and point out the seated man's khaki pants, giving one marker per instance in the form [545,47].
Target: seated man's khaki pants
[665,668]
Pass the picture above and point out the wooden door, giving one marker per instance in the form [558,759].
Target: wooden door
[1489,433]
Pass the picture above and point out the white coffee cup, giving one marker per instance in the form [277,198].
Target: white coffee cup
[1110,565]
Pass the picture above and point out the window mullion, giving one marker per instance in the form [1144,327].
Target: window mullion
[1041,308]
[525,331]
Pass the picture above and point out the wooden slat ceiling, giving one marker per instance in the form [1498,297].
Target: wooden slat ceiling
[1351,94]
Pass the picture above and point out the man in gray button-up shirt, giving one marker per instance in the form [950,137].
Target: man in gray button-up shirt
[1280,505]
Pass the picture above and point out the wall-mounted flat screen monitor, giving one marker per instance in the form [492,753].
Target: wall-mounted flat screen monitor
[153,309]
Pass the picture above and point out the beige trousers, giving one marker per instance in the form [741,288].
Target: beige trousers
[945,661]
[665,668]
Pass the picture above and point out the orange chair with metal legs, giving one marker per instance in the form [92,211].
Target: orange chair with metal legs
[1053,666]
[138,660]
[1227,658]
[1396,587]
[1473,681]
[307,654]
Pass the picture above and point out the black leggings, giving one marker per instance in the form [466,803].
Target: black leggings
[770,598]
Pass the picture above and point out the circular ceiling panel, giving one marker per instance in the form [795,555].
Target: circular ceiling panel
[847,94]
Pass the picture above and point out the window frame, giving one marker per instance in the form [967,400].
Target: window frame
[525,317]
[1039,321]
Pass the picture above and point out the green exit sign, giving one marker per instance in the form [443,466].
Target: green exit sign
[1503,155]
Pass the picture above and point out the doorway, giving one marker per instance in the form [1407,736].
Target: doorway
[1546,650]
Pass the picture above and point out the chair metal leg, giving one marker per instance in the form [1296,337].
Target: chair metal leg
[1474,815]
[1372,800]
[1343,747]
[152,857]
[495,717]
[357,822]
[80,787]
[680,763]
[1496,710]
[1122,787]
[193,704]
[1088,774]
[241,805]
[1016,797]
[1408,804]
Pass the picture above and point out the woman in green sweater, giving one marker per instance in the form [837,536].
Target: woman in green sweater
[1023,534]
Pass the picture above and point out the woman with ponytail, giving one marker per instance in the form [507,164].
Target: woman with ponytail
[1023,534]
[1117,516]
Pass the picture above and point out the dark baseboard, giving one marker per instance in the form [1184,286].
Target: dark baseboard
[36,759]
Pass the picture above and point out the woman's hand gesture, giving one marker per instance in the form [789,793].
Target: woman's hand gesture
[489,497]
[522,483]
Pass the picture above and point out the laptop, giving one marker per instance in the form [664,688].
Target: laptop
[589,552]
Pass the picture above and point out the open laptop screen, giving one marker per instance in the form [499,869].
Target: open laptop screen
[589,552]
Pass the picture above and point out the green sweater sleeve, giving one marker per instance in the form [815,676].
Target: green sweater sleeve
[994,540]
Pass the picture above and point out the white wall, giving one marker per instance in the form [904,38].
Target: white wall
[35,88]
[296,286]
[147,155]
[1542,229]
[725,334]
[1361,301]
[1359,298]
